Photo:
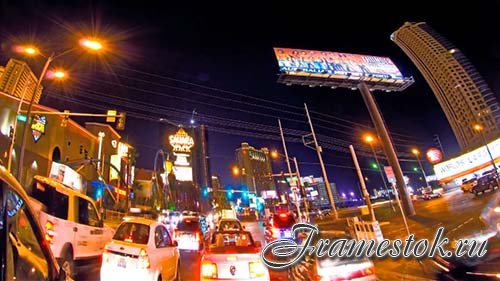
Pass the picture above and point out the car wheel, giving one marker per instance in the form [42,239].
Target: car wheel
[68,264]
[159,278]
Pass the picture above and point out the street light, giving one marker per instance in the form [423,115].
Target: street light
[32,51]
[370,140]
[480,129]
[416,152]
[236,171]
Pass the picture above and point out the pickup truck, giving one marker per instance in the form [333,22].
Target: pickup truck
[72,225]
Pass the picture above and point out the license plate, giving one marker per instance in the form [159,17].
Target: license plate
[122,263]
[287,234]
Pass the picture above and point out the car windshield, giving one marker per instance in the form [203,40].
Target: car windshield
[189,225]
[132,232]
[283,220]
[230,225]
[232,241]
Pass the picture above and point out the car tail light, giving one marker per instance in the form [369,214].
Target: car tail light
[49,231]
[257,269]
[176,233]
[283,215]
[209,270]
[143,259]
[197,237]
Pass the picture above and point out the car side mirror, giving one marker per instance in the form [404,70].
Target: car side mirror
[175,244]
[258,244]
[243,227]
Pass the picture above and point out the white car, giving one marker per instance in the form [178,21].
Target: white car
[232,255]
[71,223]
[189,234]
[141,249]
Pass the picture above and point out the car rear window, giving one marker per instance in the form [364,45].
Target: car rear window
[54,202]
[189,225]
[283,221]
[137,233]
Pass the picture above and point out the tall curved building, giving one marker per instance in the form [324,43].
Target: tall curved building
[464,96]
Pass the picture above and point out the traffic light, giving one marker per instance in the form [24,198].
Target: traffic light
[64,121]
[120,124]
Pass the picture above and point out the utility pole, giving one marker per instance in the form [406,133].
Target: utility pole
[325,177]
[386,142]
[438,143]
[289,168]
[301,187]
[362,182]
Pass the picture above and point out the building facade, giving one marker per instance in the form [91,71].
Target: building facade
[16,79]
[255,167]
[462,93]
[315,189]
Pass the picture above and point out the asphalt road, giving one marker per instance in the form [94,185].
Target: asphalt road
[457,212]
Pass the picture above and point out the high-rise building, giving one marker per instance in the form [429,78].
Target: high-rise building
[462,93]
[316,190]
[255,167]
[17,77]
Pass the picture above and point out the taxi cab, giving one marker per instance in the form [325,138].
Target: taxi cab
[232,255]
[141,249]
[24,254]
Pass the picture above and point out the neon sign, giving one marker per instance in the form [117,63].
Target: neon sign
[181,141]
[38,126]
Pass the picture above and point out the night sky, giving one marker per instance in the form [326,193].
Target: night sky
[166,59]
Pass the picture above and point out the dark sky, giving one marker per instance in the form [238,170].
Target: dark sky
[229,47]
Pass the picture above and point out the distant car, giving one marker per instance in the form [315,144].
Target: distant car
[229,224]
[189,234]
[141,212]
[232,255]
[467,185]
[431,195]
[484,183]
[24,253]
[141,249]
[279,226]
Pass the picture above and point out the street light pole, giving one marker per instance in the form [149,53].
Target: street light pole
[382,175]
[301,187]
[325,177]
[289,168]
[417,155]
[27,124]
[362,183]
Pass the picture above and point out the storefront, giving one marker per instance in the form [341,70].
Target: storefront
[469,165]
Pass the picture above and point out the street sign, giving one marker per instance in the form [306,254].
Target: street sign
[111,116]
[22,117]
[390,174]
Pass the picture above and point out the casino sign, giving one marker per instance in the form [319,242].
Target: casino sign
[38,126]
[181,142]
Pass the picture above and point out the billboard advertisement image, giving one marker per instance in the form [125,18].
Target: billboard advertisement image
[331,64]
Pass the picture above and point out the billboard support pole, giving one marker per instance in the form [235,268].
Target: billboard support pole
[325,177]
[378,121]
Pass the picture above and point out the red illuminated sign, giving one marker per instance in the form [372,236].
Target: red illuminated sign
[434,155]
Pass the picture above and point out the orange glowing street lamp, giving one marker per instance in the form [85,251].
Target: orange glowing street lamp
[274,154]
[90,44]
[369,139]
[415,152]
[236,171]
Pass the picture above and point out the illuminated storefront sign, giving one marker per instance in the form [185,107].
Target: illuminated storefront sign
[122,149]
[331,64]
[66,176]
[254,155]
[181,141]
[183,173]
[467,163]
[116,161]
[38,126]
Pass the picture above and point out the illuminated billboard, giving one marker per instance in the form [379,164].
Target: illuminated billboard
[327,64]
[67,176]
[467,163]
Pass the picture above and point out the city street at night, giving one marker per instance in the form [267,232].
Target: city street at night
[204,141]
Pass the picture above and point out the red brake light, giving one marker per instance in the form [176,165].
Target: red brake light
[105,254]
[283,215]
[197,236]
[143,259]
[276,232]
[49,231]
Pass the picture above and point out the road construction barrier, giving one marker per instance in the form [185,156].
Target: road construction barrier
[366,230]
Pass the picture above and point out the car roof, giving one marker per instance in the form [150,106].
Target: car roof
[140,221]
[229,219]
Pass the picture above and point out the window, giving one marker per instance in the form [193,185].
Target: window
[22,239]
[87,214]
[189,225]
[162,238]
[54,203]
[132,232]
